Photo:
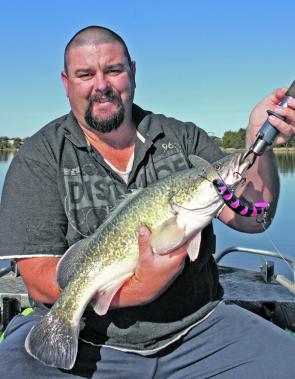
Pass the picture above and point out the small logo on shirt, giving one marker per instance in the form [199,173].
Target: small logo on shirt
[168,146]
[71,171]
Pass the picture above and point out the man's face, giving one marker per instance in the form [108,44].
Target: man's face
[100,85]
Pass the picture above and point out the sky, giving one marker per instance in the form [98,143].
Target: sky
[205,62]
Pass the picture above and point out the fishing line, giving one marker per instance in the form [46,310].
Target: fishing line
[276,249]
[71,222]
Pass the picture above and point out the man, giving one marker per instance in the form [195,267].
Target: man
[61,186]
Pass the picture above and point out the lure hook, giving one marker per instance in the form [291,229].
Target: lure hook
[246,155]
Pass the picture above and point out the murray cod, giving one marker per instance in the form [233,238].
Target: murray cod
[175,209]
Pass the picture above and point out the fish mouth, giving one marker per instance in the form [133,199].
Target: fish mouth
[233,170]
[243,164]
[242,167]
[239,176]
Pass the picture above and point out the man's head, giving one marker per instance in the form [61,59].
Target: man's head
[99,78]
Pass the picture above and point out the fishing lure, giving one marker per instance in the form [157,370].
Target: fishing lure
[258,209]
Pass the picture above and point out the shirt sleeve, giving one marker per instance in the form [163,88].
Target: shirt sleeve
[32,217]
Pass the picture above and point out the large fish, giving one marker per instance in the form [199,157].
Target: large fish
[175,209]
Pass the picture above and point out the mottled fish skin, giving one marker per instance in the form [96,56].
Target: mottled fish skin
[118,237]
[110,255]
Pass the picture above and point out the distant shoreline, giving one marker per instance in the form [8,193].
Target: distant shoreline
[276,150]
[227,150]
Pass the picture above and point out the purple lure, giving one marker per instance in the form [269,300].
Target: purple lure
[237,205]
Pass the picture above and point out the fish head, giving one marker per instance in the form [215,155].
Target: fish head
[232,168]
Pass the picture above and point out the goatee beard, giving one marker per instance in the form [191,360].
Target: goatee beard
[105,125]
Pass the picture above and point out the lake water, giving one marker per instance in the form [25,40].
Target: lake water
[279,237]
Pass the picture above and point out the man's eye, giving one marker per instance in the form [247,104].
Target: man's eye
[86,75]
[114,71]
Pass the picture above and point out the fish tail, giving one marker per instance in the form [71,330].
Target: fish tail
[53,342]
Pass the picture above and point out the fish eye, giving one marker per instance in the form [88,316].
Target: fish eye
[217,167]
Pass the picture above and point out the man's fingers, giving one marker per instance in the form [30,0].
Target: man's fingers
[280,93]
[286,130]
[291,102]
[145,249]
[144,234]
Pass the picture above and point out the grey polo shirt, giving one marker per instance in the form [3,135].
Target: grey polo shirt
[59,189]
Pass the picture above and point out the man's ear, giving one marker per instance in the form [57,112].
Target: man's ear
[133,72]
[65,80]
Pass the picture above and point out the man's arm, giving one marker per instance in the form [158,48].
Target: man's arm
[39,276]
[262,178]
[153,275]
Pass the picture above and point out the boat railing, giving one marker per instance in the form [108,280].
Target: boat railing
[260,252]
[9,267]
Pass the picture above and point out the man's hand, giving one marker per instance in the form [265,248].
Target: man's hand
[259,116]
[153,274]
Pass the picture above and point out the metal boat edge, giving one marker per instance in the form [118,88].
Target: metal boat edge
[263,292]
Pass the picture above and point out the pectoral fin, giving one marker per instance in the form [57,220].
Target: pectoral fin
[194,247]
[103,298]
[167,236]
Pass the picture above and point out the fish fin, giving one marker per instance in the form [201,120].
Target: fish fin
[167,236]
[133,192]
[194,247]
[199,163]
[53,342]
[71,261]
[103,298]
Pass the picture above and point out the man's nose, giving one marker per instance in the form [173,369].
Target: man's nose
[101,82]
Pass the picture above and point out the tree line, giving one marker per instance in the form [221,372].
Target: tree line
[230,139]
[236,140]
[10,143]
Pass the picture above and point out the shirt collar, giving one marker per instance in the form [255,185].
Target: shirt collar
[148,126]
[73,131]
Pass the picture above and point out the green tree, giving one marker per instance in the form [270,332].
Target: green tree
[17,143]
[235,140]
[4,143]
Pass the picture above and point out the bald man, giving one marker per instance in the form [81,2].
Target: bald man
[168,320]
